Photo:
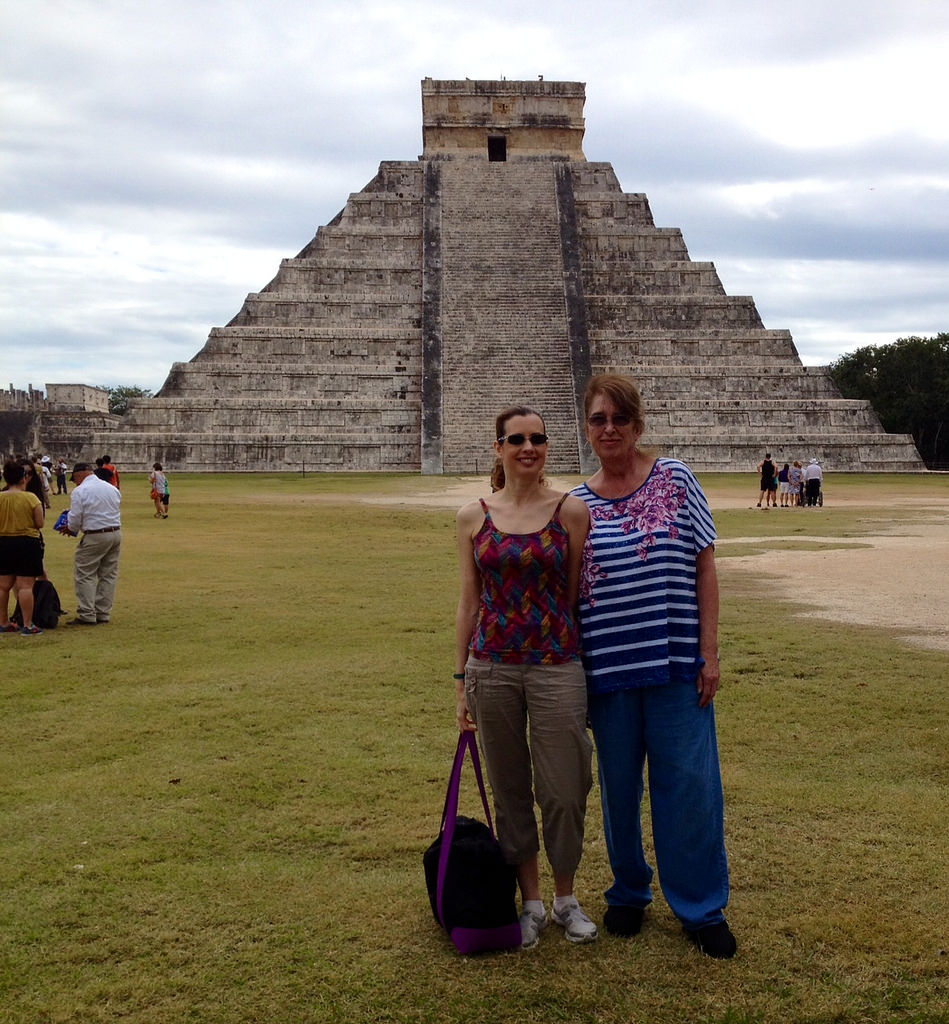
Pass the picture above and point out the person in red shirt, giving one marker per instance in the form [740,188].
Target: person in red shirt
[105,464]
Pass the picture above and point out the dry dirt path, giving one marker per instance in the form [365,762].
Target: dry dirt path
[897,582]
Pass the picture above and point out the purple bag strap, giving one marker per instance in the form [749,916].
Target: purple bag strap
[466,742]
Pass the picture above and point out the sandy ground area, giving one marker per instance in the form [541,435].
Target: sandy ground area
[897,581]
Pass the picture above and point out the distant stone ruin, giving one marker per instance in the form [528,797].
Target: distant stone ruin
[499,267]
[60,422]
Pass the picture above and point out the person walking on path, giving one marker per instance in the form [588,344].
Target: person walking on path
[518,676]
[95,513]
[159,493]
[649,631]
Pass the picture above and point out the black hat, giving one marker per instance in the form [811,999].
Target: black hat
[81,467]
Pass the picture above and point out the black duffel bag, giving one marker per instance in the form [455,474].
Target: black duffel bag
[471,888]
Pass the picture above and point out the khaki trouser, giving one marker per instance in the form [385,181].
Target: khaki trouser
[554,758]
[96,572]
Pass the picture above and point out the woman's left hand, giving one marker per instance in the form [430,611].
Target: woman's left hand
[708,682]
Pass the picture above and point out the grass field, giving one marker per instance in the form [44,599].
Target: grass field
[214,808]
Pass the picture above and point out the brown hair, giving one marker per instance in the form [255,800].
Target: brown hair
[497,472]
[621,391]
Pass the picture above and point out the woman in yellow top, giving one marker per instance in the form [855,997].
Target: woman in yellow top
[21,548]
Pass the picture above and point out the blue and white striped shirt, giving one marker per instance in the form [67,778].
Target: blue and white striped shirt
[639,616]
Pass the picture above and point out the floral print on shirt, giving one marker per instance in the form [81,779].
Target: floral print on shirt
[652,509]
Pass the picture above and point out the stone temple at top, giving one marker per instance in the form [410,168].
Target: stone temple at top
[501,267]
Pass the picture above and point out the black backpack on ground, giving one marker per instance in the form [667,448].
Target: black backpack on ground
[46,606]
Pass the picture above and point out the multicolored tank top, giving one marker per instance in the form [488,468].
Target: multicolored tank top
[525,615]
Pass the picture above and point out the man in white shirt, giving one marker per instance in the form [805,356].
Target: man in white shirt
[94,512]
[813,475]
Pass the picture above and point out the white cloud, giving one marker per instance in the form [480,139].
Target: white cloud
[160,159]
[835,306]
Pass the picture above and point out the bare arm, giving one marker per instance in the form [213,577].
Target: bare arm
[706,585]
[576,518]
[39,517]
[469,520]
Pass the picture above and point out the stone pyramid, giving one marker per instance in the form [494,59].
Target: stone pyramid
[500,267]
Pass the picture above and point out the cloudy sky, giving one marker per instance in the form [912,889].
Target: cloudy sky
[158,159]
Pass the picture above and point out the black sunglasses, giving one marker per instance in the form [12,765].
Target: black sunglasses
[536,439]
[620,419]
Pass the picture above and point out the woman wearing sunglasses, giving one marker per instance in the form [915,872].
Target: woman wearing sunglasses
[518,676]
[649,621]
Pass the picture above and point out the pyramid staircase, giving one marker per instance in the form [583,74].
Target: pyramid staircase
[505,334]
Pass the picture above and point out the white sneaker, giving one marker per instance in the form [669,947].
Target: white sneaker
[577,927]
[531,927]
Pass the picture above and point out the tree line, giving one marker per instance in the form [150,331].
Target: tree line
[907,382]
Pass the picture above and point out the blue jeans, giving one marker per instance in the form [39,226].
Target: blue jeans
[665,725]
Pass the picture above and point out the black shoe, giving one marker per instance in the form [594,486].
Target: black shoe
[624,921]
[715,940]
[80,622]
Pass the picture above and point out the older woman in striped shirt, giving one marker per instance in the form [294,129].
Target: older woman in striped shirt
[649,630]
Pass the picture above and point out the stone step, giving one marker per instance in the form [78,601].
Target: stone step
[291,366]
[675,277]
[229,417]
[735,386]
[649,368]
[633,355]
[694,311]
[720,420]
[295,386]
[871,452]
[371,263]
[372,451]
[619,249]
[368,404]
[306,281]
[338,295]
[234,351]
[310,332]
[289,310]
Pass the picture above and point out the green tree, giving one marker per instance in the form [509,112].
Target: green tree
[119,397]
[907,382]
